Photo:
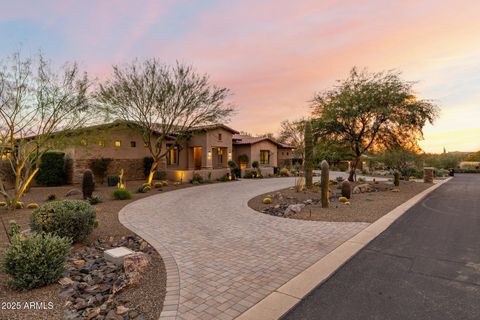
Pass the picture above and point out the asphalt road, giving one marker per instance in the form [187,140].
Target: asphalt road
[425,266]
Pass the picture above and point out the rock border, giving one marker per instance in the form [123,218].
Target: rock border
[283,299]
[172,296]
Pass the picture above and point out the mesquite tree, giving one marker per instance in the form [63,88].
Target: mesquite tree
[38,106]
[308,163]
[372,111]
[161,101]
[292,133]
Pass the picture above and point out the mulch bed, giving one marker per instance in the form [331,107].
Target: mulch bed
[146,298]
[364,207]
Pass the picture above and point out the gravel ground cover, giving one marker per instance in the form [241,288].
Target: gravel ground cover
[146,297]
[364,207]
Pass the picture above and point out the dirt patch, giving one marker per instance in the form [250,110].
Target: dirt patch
[364,207]
[147,296]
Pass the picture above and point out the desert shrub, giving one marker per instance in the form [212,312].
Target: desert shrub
[32,205]
[332,182]
[52,169]
[52,197]
[255,164]
[88,184]
[158,185]
[35,261]
[196,178]
[121,194]
[95,200]
[346,189]
[343,167]
[74,219]
[144,188]
[3,204]
[339,179]
[13,228]
[467,170]
[249,174]
[223,178]
[99,167]
[361,179]
[160,175]
[408,172]
[112,181]
[284,172]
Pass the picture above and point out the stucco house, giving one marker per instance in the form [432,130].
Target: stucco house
[268,152]
[206,152]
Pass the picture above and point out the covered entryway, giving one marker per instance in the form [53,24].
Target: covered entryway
[197,158]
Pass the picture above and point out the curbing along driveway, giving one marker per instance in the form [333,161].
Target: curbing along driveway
[425,266]
[222,257]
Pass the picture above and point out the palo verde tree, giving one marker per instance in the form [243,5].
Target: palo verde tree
[38,106]
[161,101]
[372,111]
[292,133]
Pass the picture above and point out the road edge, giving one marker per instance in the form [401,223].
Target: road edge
[283,299]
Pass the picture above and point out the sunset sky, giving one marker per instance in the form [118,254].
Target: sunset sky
[273,55]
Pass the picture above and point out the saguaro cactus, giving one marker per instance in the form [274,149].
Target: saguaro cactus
[396,178]
[308,164]
[325,183]
[88,184]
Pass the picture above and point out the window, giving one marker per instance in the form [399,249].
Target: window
[83,142]
[264,157]
[172,155]
[101,143]
[220,155]
[133,144]
[287,153]
[118,143]
[220,136]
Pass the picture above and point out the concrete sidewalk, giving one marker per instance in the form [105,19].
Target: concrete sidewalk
[425,266]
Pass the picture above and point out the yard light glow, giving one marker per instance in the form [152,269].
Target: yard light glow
[209,155]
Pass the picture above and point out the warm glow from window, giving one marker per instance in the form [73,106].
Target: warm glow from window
[83,142]
[118,143]
[101,143]
[264,157]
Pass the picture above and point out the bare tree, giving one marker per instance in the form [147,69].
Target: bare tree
[292,133]
[161,101]
[37,107]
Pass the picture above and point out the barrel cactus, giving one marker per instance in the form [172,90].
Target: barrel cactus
[346,189]
[325,182]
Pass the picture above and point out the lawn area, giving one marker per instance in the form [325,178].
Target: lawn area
[145,298]
[363,207]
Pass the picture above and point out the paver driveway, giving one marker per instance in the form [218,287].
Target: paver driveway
[221,256]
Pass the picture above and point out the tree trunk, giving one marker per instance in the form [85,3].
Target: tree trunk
[351,176]
[153,168]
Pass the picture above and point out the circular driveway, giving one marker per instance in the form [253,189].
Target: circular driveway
[221,256]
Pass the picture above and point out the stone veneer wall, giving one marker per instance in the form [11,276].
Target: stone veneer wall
[133,169]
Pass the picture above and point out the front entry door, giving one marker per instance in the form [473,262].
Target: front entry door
[197,158]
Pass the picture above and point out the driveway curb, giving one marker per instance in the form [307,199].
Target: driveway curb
[288,295]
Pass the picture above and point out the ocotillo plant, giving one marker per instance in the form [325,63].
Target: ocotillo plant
[325,183]
[308,164]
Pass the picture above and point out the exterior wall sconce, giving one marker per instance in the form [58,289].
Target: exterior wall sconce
[209,155]
[230,155]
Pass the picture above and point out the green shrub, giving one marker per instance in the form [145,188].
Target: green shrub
[249,174]
[88,184]
[68,218]
[467,170]
[343,167]
[52,169]
[52,197]
[158,185]
[255,164]
[121,194]
[95,200]
[339,179]
[35,261]
[361,179]
[113,181]
[223,178]
[99,167]
[196,178]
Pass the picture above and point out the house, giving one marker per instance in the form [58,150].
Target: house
[266,151]
[206,151]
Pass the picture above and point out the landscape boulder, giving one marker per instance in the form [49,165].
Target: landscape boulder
[363,188]
[294,208]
